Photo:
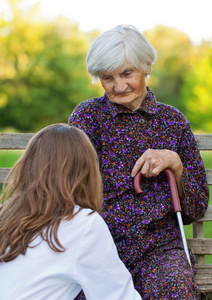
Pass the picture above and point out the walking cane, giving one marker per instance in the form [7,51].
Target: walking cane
[175,200]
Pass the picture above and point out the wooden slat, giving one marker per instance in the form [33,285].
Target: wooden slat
[200,246]
[14,140]
[206,289]
[203,278]
[209,176]
[3,174]
[19,140]
[204,269]
[5,171]
[204,141]
[198,230]
[200,259]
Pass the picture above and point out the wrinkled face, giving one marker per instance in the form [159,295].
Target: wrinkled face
[125,85]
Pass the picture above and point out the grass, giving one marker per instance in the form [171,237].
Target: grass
[9,157]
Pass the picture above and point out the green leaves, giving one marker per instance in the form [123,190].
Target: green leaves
[182,75]
[43,72]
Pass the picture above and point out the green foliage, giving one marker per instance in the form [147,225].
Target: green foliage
[43,72]
[173,47]
[182,75]
[197,89]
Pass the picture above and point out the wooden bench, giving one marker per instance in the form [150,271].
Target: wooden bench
[199,245]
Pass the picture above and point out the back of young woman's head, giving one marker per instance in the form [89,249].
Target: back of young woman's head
[58,170]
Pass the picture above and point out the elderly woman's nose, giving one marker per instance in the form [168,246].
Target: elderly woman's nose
[120,86]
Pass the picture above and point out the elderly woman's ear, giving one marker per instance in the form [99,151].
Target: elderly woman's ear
[148,69]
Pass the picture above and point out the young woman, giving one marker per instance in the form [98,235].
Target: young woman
[53,241]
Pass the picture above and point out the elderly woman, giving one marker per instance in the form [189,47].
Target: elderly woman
[132,131]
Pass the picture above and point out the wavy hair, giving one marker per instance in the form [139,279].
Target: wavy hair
[112,48]
[58,170]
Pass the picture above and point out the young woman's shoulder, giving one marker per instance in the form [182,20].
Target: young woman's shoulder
[81,224]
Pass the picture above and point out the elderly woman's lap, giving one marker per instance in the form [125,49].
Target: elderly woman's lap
[167,275]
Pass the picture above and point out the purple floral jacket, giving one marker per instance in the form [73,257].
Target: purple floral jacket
[142,223]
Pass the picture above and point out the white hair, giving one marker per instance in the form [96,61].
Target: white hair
[112,48]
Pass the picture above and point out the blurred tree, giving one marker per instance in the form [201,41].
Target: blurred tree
[42,69]
[43,73]
[182,75]
[167,78]
[197,88]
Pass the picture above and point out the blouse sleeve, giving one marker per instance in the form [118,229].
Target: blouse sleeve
[194,179]
[101,274]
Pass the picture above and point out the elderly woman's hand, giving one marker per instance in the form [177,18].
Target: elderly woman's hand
[154,161]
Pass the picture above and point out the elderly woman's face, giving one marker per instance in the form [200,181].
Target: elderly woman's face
[126,85]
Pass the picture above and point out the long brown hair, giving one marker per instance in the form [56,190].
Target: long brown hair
[58,170]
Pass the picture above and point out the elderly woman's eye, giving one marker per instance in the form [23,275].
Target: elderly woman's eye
[106,78]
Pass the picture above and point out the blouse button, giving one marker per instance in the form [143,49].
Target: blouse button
[145,189]
[141,121]
[132,230]
[128,264]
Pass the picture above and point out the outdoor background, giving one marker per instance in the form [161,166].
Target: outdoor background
[43,45]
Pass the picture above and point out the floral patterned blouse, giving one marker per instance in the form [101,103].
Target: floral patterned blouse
[142,224]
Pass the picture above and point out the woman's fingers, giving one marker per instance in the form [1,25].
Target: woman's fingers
[138,165]
[154,161]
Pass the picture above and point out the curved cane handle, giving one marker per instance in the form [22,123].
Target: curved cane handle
[172,185]
[137,183]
